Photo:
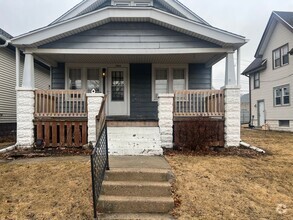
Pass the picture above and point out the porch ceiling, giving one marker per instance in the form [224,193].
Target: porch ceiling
[207,58]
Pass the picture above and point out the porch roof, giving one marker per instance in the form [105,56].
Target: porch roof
[143,14]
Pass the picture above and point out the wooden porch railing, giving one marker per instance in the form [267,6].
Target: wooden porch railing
[101,117]
[60,103]
[199,103]
[59,132]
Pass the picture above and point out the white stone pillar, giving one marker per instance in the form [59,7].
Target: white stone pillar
[232,116]
[165,114]
[28,79]
[94,102]
[230,78]
[25,109]
[238,66]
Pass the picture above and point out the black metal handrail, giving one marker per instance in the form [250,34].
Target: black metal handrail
[99,160]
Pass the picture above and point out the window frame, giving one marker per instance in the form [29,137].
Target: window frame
[170,69]
[284,123]
[131,3]
[280,52]
[255,80]
[84,75]
[282,96]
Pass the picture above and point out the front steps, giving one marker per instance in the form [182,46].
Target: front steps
[136,194]
[134,141]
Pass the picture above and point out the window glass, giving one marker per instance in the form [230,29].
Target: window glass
[278,94]
[93,80]
[285,55]
[277,58]
[75,79]
[286,95]
[161,81]
[256,80]
[117,86]
[178,79]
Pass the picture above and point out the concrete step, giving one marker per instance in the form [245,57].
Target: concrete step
[135,216]
[126,188]
[149,175]
[129,204]
[134,141]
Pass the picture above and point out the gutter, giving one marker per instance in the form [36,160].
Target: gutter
[6,41]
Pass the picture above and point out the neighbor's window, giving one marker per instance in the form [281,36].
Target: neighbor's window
[75,79]
[284,123]
[167,79]
[281,56]
[256,80]
[282,95]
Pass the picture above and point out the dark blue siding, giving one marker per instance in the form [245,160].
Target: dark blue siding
[199,77]
[58,76]
[141,105]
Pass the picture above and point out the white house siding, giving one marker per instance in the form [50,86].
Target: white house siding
[8,84]
[270,78]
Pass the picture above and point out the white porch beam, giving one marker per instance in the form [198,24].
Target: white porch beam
[17,66]
[230,71]
[130,51]
[28,72]
[238,66]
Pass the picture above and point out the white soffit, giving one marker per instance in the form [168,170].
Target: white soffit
[108,14]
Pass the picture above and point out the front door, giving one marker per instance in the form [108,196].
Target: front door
[117,92]
[261,113]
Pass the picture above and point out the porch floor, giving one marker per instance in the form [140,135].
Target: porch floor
[138,162]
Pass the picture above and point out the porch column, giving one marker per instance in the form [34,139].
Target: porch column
[232,116]
[230,78]
[94,102]
[25,109]
[165,114]
[28,79]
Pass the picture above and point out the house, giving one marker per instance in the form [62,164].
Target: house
[245,109]
[8,82]
[271,76]
[137,54]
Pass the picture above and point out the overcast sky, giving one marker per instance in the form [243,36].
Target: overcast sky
[247,18]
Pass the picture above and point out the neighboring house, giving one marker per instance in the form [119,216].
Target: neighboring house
[8,83]
[245,109]
[138,53]
[271,75]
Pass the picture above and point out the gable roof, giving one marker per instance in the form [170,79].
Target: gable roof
[257,65]
[121,14]
[285,18]
[87,6]
[5,34]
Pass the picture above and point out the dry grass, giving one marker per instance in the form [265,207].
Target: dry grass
[210,187]
[48,188]
[229,187]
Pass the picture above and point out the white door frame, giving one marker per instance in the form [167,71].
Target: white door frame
[127,90]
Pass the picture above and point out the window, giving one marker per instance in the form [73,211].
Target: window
[84,78]
[284,123]
[256,80]
[282,95]
[167,79]
[281,56]
[137,3]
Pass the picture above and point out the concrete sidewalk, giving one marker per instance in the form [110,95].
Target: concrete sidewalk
[139,162]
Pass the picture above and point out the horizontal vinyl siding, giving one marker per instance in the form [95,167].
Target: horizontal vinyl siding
[7,86]
[199,77]
[129,35]
[141,105]
[58,76]
[8,83]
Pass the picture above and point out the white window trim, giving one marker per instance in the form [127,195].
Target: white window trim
[281,56]
[170,68]
[254,80]
[282,96]
[125,3]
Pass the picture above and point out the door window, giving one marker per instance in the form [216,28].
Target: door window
[117,86]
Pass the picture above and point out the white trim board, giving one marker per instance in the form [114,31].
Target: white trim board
[108,14]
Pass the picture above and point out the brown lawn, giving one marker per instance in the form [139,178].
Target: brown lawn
[209,187]
[229,187]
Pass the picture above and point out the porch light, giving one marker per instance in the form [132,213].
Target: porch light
[104,71]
